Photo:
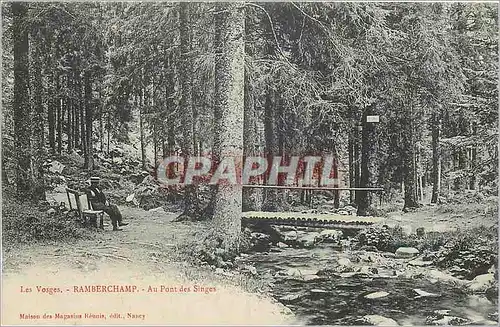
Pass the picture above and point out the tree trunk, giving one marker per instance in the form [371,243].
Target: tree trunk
[369,163]
[229,113]
[252,197]
[69,108]
[51,113]
[409,164]
[79,115]
[59,116]
[38,188]
[141,128]
[436,157]
[21,105]
[352,180]
[89,114]
[191,203]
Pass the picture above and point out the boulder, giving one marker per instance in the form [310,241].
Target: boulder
[368,270]
[482,282]
[406,252]
[51,211]
[420,263]
[308,240]
[291,298]
[290,236]
[330,235]
[376,320]
[376,295]
[448,320]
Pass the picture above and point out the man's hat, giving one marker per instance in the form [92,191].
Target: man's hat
[94,179]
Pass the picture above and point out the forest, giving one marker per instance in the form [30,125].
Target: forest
[275,78]
[403,97]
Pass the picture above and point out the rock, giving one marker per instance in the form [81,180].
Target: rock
[493,316]
[282,245]
[422,293]
[118,161]
[449,320]
[376,295]
[284,309]
[482,282]
[368,270]
[51,211]
[309,239]
[130,198]
[369,248]
[406,252]
[344,262]
[290,236]
[55,167]
[420,263]
[350,209]
[308,278]
[343,212]
[251,269]
[159,209]
[377,320]
[260,242]
[441,312]
[330,235]
[294,272]
[291,298]
[316,292]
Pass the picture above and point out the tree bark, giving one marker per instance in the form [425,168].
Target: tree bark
[89,114]
[51,113]
[409,164]
[436,157]
[369,163]
[21,105]
[142,102]
[252,197]
[229,113]
[38,187]
[192,210]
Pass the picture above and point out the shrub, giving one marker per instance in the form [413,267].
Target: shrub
[24,222]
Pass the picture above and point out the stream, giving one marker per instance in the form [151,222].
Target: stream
[339,298]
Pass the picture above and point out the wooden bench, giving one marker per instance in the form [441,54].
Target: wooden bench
[87,216]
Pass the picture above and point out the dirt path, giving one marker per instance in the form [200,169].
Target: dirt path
[144,255]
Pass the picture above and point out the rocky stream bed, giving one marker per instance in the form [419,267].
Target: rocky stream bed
[329,283]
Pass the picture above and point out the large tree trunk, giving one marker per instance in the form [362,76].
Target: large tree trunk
[229,114]
[409,162]
[21,105]
[191,203]
[38,188]
[436,157]
[369,163]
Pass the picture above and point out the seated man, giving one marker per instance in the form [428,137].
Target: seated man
[99,202]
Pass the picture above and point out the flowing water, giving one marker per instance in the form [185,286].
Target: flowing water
[341,300]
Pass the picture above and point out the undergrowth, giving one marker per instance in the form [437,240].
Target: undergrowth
[24,223]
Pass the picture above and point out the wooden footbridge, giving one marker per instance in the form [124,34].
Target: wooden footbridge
[317,220]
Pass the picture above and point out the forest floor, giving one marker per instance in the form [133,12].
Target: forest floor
[143,254]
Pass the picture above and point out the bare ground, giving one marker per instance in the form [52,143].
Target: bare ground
[145,254]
